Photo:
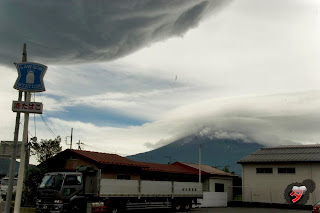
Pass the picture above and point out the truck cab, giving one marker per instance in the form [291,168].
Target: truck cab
[57,190]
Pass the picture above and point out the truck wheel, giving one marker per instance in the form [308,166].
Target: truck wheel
[114,209]
[75,209]
[78,208]
[176,206]
[187,206]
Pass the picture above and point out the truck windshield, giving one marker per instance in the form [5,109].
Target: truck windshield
[52,181]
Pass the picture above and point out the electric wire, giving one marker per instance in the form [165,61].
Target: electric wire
[21,130]
[97,148]
[46,124]
[47,114]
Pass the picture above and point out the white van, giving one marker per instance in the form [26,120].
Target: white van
[4,186]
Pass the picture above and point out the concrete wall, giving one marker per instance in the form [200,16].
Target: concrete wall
[227,185]
[213,199]
[269,188]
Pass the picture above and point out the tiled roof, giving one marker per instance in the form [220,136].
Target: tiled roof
[167,168]
[205,168]
[294,153]
[104,158]
[113,159]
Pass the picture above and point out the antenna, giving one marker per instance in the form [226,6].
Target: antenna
[79,145]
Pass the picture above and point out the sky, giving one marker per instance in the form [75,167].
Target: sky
[132,76]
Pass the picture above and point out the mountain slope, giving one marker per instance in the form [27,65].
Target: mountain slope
[215,152]
[5,166]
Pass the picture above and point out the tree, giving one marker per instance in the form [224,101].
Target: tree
[45,148]
[32,181]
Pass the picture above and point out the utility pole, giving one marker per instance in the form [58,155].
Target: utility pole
[30,79]
[200,147]
[21,173]
[70,139]
[15,142]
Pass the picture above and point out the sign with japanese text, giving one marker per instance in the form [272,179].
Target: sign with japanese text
[31,107]
[30,77]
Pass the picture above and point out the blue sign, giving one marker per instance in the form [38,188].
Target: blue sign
[30,77]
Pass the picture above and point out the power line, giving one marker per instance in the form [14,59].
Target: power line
[47,114]
[28,130]
[97,148]
[47,126]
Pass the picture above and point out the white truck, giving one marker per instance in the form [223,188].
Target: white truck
[4,186]
[85,191]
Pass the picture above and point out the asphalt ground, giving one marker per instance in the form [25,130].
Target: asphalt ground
[209,210]
[226,210]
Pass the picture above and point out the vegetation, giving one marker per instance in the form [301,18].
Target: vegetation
[45,148]
[32,181]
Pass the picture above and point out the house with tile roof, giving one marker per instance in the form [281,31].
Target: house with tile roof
[116,167]
[269,174]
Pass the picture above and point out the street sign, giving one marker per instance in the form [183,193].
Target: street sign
[6,149]
[30,77]
[23,106]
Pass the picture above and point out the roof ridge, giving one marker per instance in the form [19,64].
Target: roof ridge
[292,146]
[77,150]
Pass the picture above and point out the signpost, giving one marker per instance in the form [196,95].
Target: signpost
[31,107]
[30,79]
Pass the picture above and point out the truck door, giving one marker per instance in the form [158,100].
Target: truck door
[72,185]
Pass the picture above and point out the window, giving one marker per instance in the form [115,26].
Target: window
[73,180]
[124,177]
[219,187]
[286,170]
[264,170]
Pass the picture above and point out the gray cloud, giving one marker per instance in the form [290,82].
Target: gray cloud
[90,31]
[269,120]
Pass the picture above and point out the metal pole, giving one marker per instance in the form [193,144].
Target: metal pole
[200,164]
[15,142]
[17,202]
[71,138]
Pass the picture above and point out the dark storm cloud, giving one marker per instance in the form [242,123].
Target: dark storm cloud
[87,31]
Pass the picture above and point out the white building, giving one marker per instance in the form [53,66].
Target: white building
[268,172]
[217,185]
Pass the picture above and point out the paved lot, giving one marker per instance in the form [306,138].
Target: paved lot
[210,210]
[227,210]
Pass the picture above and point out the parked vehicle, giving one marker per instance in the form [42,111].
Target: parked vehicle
[316,208]
[4,186]
[77,191]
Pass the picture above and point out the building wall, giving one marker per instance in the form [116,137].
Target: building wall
[269,188]
[226,181]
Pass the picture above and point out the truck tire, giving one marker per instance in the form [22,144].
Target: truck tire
[187,205]
[78,207]
[114,209]
[176,206]
[75,209]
